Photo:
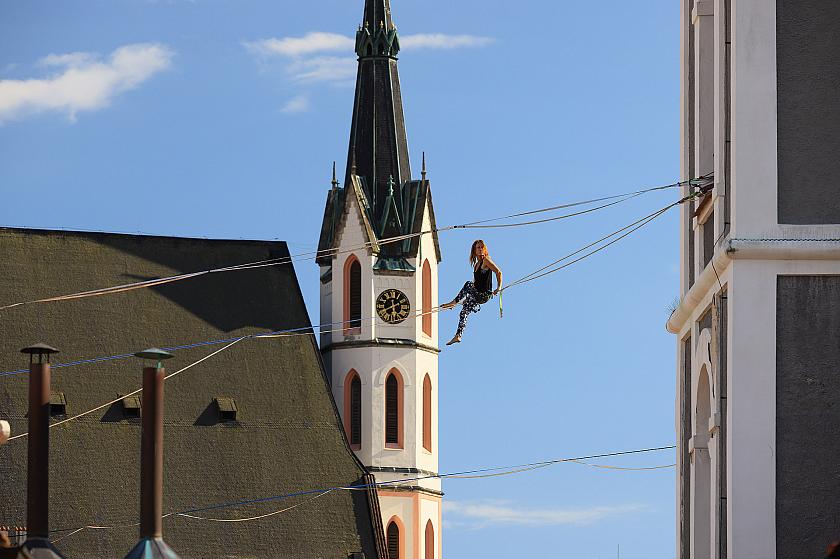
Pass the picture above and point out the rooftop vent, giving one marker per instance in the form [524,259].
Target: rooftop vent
[58,404]
[131,406]
[227,408]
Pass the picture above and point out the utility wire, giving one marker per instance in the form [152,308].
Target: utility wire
[465,474]
[341,325]
[330,252]
[139,390]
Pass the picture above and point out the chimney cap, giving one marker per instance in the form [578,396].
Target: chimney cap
[154,353]
[39,349]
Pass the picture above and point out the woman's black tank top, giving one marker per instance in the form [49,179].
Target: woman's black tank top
[483,279]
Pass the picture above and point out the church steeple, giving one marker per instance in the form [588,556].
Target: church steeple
[378,174]
[378,142]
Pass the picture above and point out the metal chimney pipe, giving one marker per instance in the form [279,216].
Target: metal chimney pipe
[38,463]
[38,458]
[151,455]
[151,545]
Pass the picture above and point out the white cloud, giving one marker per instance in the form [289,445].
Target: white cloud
[336,69]
[441,41]
[297,104]
[72,59]
[310,43]
[484,513]
[85,81]
[320,57]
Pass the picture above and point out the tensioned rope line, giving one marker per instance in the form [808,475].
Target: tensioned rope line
[292,258]
[139,390]
[258,517]
[592,201]
[624,469]
[353,488]
[491,470]
[341,325]
[635,226]
[466,474]
[193,517]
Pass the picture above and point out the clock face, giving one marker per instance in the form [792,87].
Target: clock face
[393,306]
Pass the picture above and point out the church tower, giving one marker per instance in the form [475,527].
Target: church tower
[382,351]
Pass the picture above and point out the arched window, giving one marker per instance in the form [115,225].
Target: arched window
[394,410]
[352,296]
[394,541]
[430,540]
[427,298]
[427,413]
[353,409]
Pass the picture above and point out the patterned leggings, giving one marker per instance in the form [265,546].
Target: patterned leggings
[473,300]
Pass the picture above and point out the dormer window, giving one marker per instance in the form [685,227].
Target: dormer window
[226,407]
[58,404]
[131,406]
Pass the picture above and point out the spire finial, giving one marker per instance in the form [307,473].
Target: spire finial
[334,182]
[423,171]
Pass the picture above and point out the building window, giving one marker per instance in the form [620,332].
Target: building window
[427,413]
[353,409]
[394,542]
[430,540]
[58,404]
[226,408]
[352,296]
[131,406]
[427,298]
[393,410]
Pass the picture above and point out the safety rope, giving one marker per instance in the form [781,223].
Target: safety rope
[479,473]
[342,325]
[330,252]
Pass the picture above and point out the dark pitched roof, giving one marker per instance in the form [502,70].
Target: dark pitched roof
[287,436]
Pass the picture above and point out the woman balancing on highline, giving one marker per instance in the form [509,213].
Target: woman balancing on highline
[476,292]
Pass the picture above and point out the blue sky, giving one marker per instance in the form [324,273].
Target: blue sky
[203,118]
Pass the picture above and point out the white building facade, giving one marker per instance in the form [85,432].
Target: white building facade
[758,324]
[378,258]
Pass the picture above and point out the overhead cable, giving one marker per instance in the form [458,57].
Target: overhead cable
[337,326]
[318,493]
[330,252]
[139,390]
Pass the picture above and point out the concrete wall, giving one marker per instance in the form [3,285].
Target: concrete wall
[808,80]
[807,414]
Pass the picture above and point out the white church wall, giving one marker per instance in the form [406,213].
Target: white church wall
[351,236]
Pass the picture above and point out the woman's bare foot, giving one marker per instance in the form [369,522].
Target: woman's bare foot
[449,305]
[455,340]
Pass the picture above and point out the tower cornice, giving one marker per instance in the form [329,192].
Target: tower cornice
[379,43]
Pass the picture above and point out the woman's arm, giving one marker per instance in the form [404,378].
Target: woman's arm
[492,265]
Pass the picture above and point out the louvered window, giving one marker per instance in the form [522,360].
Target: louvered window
[392,412]
[355,318]
[430,540]
[427,298]
[427,413]
[393,541]
[356,411]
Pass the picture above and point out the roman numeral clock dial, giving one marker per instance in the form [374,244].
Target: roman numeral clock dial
[393,306]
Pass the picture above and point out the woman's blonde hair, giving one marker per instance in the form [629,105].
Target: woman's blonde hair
[481,248]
